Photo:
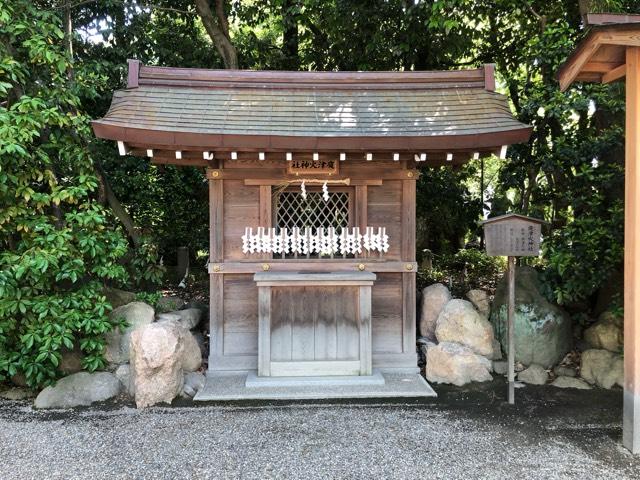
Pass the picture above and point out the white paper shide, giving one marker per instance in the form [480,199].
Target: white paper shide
[320,241]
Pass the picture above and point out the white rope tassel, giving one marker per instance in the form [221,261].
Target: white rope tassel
[246,240]
[303,190]
[384,243]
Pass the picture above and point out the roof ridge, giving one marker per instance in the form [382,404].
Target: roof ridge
[139,74]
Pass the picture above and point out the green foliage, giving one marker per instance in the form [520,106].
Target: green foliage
[150,298]
[570,173]
[462,271]
[56,247]
[446,211]
[146,266]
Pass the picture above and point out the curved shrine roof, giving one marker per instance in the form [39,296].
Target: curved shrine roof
[231,109]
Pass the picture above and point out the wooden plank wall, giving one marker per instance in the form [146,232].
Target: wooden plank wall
[235,320]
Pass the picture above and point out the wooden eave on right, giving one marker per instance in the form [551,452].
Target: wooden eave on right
[600,56]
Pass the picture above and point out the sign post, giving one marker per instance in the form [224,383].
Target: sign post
[512,236]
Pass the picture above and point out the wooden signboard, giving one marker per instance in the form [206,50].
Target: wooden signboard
[313,167]
[512,236]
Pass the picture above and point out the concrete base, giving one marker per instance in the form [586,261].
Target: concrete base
[234,387]
[254,381]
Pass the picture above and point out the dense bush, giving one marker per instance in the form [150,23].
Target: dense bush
[463,271]
[56,248]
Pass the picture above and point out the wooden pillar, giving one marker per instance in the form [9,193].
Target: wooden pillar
[511,313]
[264,331]
[408,252]
[631,408]
[364,321]
[216,280]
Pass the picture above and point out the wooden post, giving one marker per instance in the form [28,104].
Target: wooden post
[631,402]
[264,331]
[216,280]
[511,357]
[364,321]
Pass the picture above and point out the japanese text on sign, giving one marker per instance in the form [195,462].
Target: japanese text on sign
[302,167]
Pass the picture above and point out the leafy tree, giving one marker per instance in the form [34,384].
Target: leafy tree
[571,171]
[56,247]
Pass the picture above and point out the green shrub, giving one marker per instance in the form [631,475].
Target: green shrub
[463,271]
[56,247]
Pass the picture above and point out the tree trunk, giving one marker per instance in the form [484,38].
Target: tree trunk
[218,29]
[116,207]
[68,39]
[105,194]
[290,38]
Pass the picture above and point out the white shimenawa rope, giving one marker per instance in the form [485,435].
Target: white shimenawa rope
[322,241]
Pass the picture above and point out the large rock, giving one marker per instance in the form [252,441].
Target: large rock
[117,297]
[542,330]
[123,373]
[167,304]
[453,363]
[602,368]
[71,361]
[534,375]
[136,314]
[16,394]
[193,383]
[79,389]
[189,318]
[459,322]
[570,382]
[607,333]
[480,300]
[434,298]
[562,371]
[500,367]
[160,353]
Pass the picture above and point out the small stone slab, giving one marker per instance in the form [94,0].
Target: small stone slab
[570,382]
[232,387]
[254,381]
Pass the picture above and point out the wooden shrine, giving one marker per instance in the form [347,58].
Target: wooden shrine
[610,51]
[312,180]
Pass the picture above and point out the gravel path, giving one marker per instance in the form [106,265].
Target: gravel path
[460,436]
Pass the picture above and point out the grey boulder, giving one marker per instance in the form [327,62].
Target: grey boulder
[453,363]
[170,303]
[193,383]
[570,382]
[607,333]
[500,367]
[561,371]
[16,393]
[542,330]
[480,300]
[434,298]
[534,375]
[459,322]
[136,314]
[189,318]
[117,297]
[123,373]
[602,368]
[79,389]
[71,361]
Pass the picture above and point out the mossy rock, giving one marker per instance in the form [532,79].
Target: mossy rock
[542,329]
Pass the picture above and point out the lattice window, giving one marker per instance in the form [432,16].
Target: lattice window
[292,210]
